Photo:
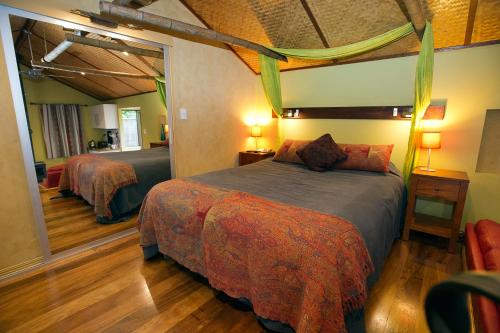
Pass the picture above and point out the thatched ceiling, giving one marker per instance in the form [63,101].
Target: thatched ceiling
[100,87]
[329,23]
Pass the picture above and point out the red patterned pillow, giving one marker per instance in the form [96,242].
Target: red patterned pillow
[288,151]
[365,157]
[321,154]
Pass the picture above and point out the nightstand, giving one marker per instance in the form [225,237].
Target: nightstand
[158,144]
[446,185]
[247,157]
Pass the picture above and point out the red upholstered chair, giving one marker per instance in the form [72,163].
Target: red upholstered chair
[482,250]
[53,175]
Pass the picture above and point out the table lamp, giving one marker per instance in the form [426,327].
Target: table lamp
[163,121]
[430,140]
[256,132]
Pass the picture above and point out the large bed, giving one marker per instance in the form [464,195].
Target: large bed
[372,202]
[144,169]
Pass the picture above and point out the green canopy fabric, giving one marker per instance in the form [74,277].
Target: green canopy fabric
[423,89]
[270,77]
[348,50]
[269,68]
[160,89]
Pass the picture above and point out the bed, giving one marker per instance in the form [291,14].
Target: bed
[115,183]
[372,202]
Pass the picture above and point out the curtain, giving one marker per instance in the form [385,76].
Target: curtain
[270,70]
[160,89]
[62,131]
[423,88]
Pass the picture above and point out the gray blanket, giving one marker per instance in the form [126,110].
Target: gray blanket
[151,166]
[373,202]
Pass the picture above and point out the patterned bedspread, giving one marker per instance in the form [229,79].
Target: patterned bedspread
[96,179]
[295,265]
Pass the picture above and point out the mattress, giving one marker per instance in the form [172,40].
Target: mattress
[373,202]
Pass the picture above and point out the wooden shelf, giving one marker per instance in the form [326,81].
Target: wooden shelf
[432,225]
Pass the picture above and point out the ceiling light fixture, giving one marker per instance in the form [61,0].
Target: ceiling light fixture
[83,73]
[125,53]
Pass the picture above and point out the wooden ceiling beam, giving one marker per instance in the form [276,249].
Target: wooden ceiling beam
[86,62]
[23,35]
[417,17]
[113,46]
[315,23]
[125,13]
[471,18]
[89,71]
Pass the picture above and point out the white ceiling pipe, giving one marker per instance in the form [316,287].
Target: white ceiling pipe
[56,52]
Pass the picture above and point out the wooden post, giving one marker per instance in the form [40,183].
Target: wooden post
[107,8]
[89,71]
[417,16]
[113,46]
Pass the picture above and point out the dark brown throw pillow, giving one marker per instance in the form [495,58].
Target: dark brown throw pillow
[321,154]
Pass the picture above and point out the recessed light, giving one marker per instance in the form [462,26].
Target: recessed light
[83,73]
[125,53]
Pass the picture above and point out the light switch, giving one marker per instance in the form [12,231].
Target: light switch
[183,113]
[145,131]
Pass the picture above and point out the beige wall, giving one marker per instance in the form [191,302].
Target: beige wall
[18,236]
[468,79]
[218,91]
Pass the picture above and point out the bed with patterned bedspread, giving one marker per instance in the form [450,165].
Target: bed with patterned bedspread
[115,183]
[301,246]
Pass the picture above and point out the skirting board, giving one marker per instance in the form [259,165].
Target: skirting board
[15,269]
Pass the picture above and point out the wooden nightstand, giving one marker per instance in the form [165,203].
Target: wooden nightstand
[447,185]
[158,144]
[247,157]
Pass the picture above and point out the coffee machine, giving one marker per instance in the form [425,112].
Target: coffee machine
[113,139]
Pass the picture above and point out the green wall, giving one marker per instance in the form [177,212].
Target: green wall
[151,110]
[468,79]
[51,91]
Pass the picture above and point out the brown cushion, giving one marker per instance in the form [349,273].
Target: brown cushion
[288,151]
[321,154]
[366,157]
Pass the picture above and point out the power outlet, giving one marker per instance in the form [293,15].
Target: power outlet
[183,113]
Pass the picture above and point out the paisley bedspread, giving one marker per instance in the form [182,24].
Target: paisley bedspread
[295,265]
[96,179]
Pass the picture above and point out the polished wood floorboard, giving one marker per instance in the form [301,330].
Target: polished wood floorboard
[112,289]
[71,222]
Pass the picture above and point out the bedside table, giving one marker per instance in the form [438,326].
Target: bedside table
[247,157]
[447,185]
[158,144]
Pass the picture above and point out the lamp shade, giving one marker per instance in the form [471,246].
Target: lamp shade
[256,131]
[431,140]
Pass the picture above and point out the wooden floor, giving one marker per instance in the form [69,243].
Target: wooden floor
[71,222]
[112,289]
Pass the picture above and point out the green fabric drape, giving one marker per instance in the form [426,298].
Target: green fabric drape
[348,50]
[160,89]
[270,77]
[269,68]
[423,88]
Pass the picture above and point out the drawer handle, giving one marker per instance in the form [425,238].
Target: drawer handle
[436,190]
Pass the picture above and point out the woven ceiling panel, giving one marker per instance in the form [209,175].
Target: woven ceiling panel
[285,23]
[449,21]
[487,24]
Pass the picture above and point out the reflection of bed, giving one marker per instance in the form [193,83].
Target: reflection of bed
[372,202]
[148,167]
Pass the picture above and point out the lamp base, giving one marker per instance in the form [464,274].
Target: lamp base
[427,169]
